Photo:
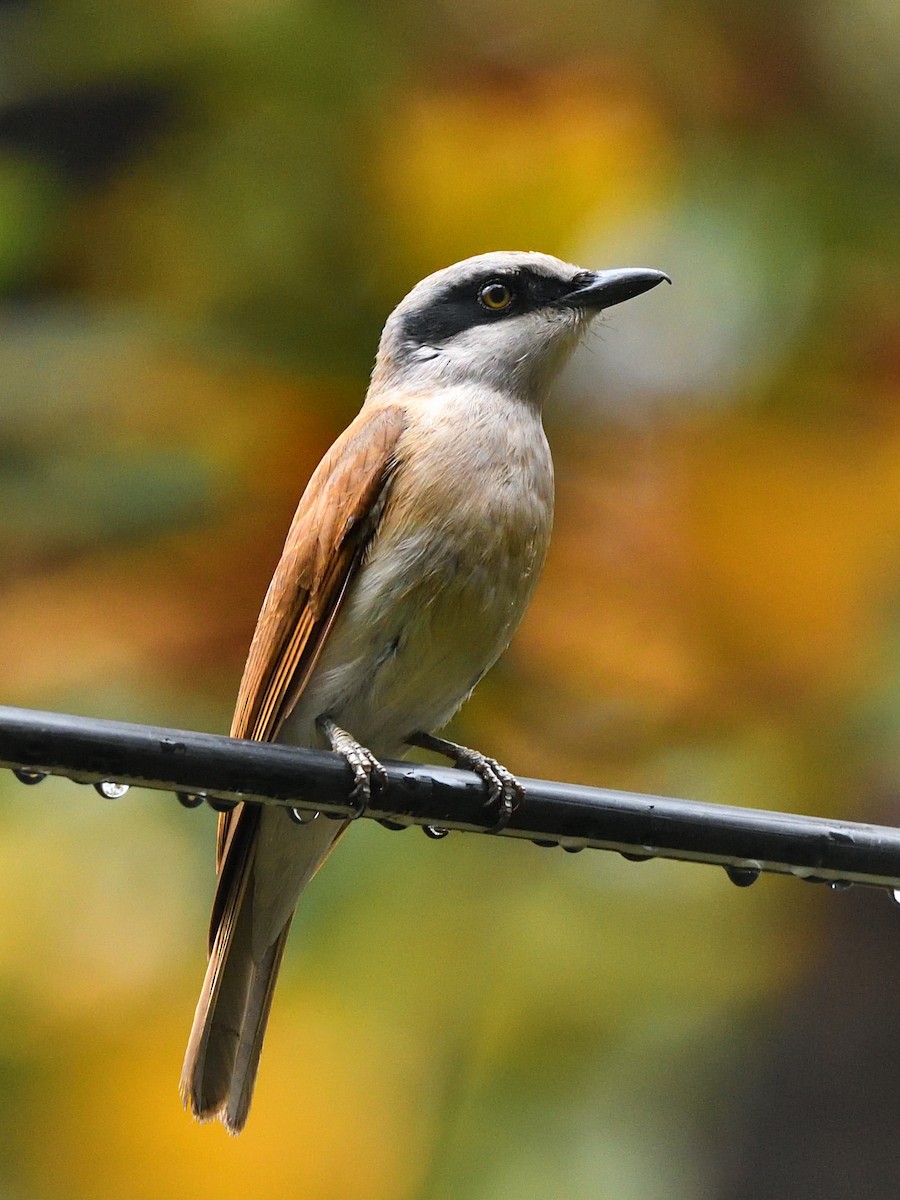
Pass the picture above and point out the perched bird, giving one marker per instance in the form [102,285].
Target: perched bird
[409,563]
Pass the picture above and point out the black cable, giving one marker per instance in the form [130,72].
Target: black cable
[221,770]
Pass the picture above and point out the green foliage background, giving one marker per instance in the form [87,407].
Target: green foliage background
[206,211]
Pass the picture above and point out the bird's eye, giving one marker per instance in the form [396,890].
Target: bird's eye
[495,296]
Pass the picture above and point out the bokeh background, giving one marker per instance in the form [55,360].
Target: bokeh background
[206,211]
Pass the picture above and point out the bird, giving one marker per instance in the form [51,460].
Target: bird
[411,558]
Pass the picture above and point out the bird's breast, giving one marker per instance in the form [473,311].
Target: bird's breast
[448,575]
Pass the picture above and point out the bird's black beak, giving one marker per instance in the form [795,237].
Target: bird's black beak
[603,289]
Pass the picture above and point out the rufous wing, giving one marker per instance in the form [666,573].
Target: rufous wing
[335,520]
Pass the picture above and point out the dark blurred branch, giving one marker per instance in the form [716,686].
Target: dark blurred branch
[86,132]
[223,770]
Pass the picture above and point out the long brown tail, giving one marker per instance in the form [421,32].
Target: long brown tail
[266,864]
[226,1039]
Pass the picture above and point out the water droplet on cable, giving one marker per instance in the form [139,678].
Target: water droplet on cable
[301,816]
[743,876]
[840,885]
[110,790]
[802,872]
[573,849]
[894,894]
[28,777]
[189,799]
[635,857]
[435,831]
[394,826]
[544,844]
[221,806]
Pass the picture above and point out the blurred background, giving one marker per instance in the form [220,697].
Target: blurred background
[206,212]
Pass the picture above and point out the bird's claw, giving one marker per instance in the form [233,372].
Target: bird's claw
[367,770]
[503,789]
[365,767]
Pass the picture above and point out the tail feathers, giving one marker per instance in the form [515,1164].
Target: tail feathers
[265,865]
[226,1039]
[256,1017]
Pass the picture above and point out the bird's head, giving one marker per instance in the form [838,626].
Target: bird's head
[505,320]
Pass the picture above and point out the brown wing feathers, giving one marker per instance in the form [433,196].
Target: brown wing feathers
[331,526]
[334,522]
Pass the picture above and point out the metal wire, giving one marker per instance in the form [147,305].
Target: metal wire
[223,771]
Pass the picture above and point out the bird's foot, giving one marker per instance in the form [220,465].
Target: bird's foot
[503,789]
[362,762]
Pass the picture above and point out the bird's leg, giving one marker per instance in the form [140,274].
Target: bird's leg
[362,762]
[503,788]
